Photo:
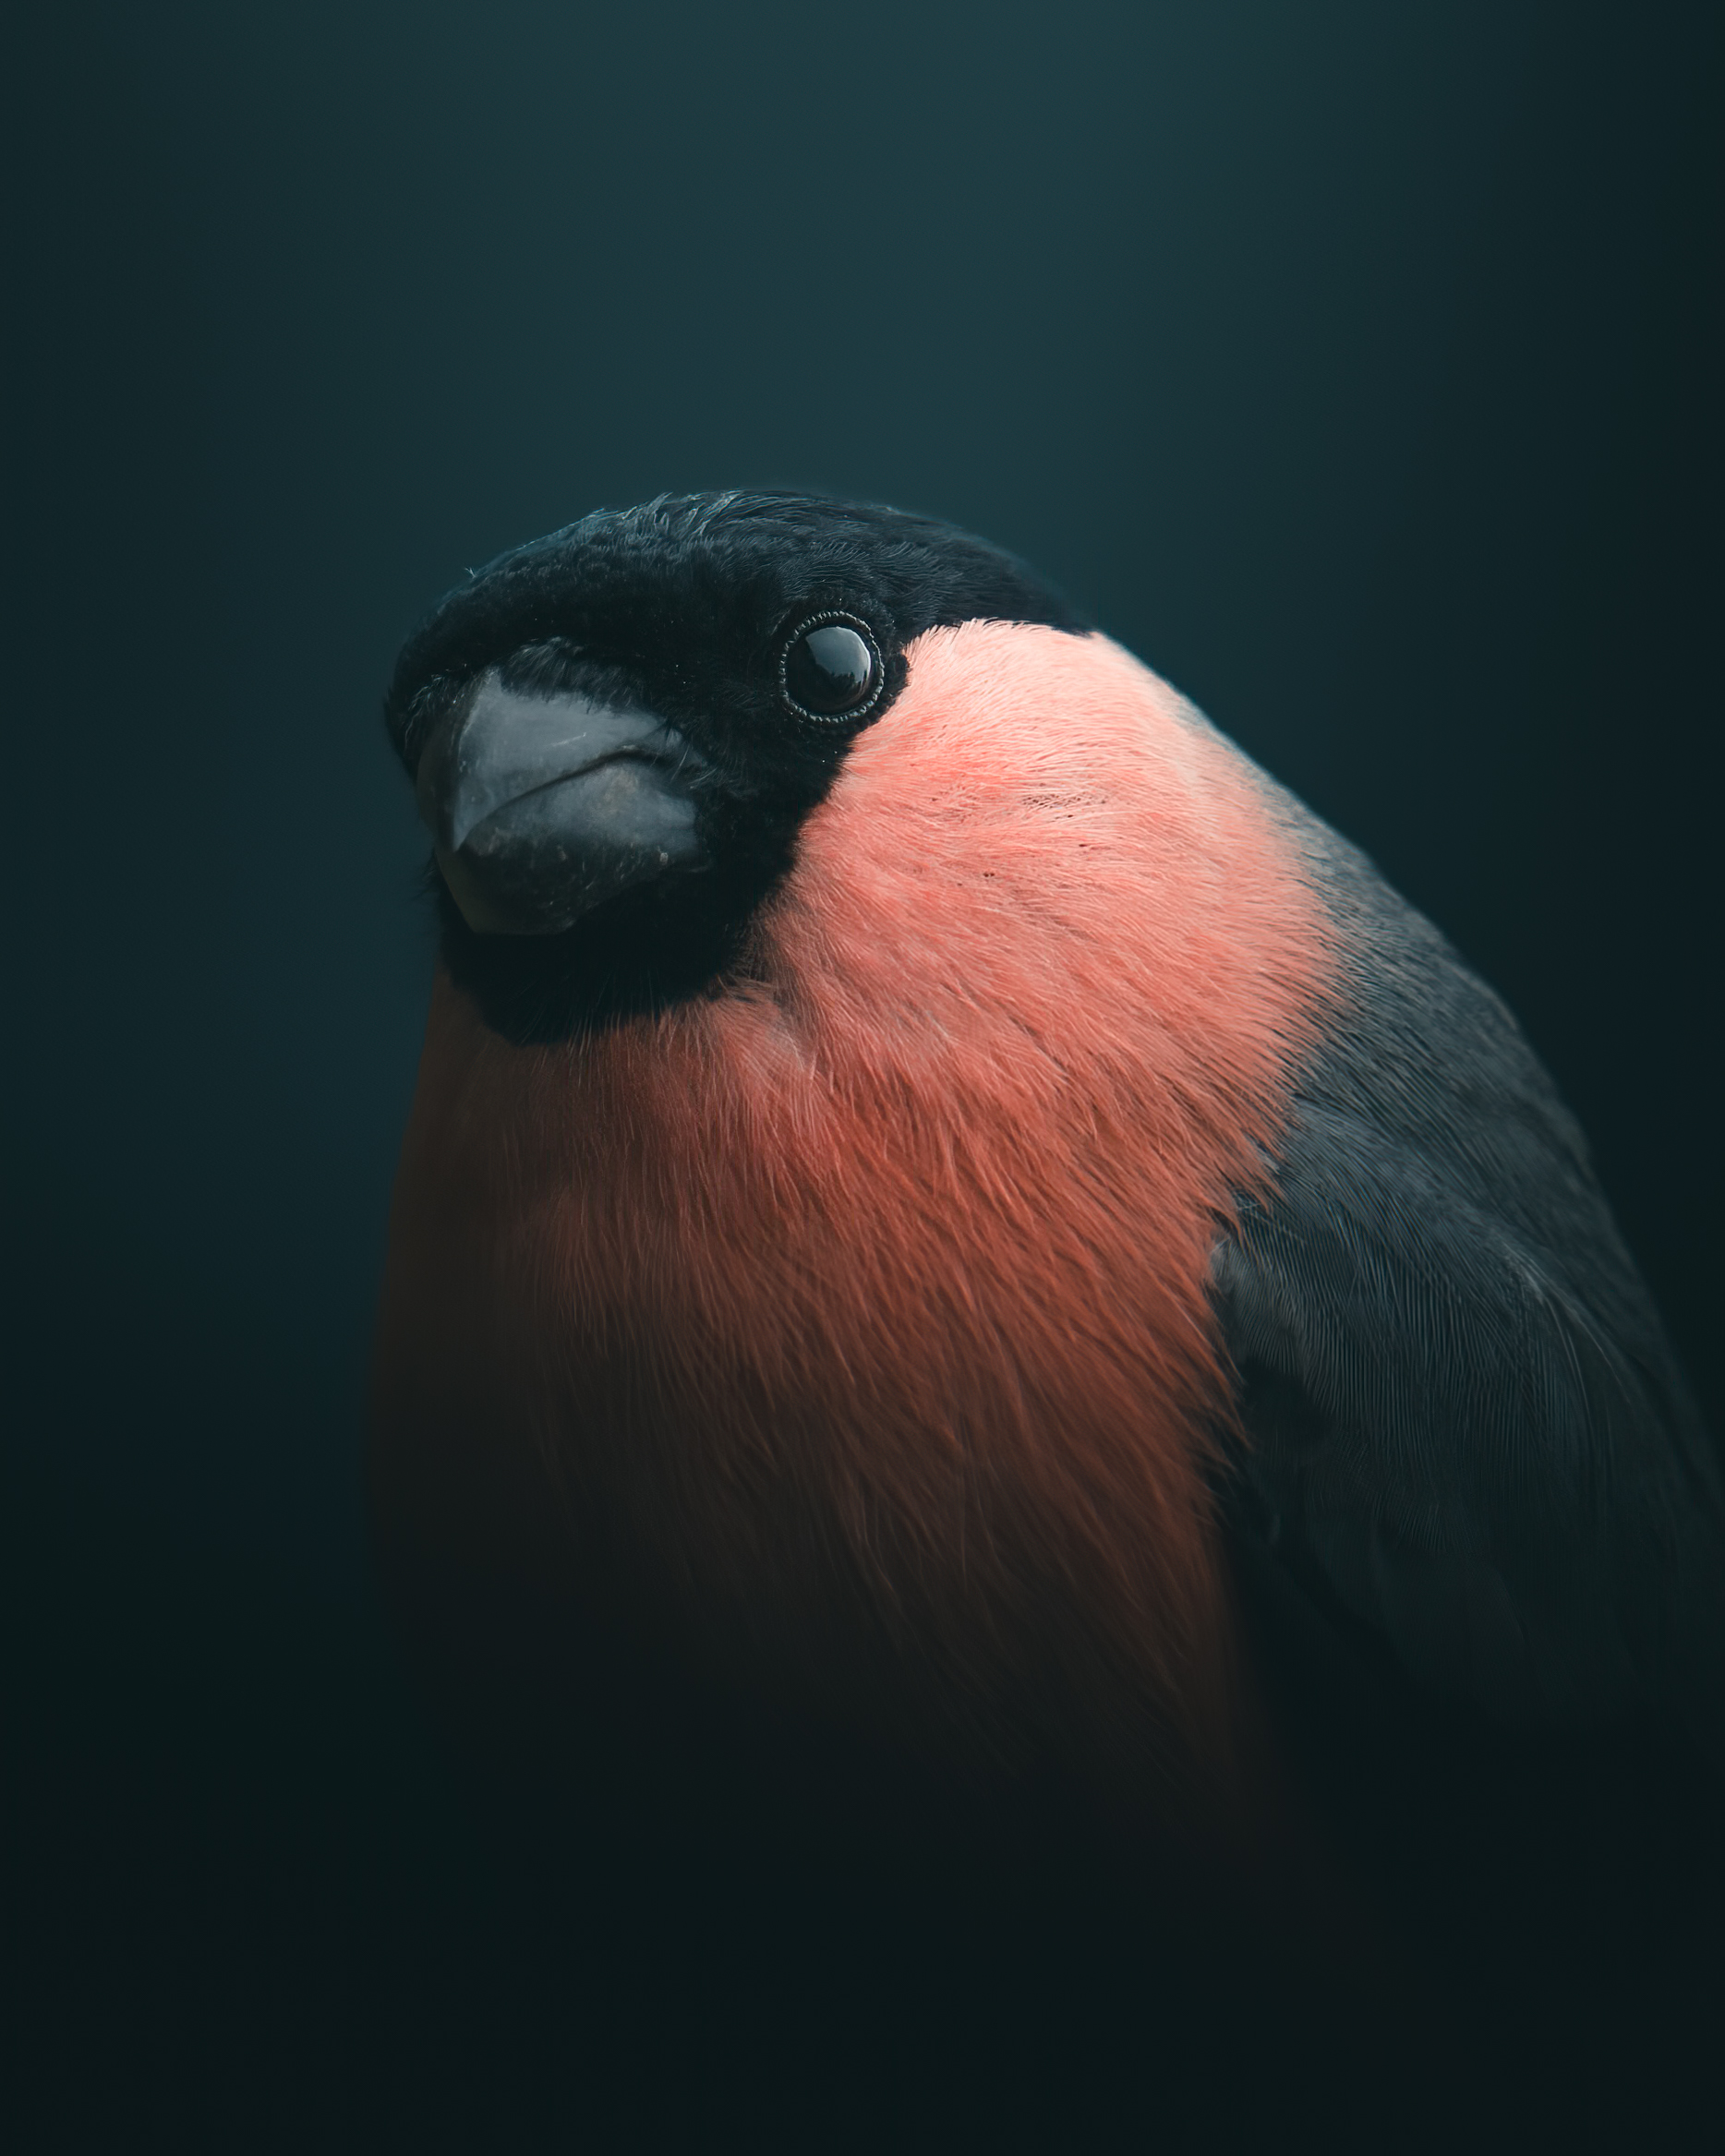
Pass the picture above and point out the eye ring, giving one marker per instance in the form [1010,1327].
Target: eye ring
[821,676]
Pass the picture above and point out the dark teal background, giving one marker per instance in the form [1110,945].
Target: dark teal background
[1358,364]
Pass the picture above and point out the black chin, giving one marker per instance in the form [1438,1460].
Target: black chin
[648,950]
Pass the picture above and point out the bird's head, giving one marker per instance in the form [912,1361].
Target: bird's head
[617,733]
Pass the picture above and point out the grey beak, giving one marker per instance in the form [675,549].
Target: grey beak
[543,807]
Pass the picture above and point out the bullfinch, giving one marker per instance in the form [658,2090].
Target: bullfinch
[948,1221]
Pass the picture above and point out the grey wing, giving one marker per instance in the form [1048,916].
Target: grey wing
[1465,1429]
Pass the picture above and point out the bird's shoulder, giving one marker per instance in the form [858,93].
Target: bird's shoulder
[1468,1441]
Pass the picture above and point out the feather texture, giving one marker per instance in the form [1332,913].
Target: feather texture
[853,1323]
[1466,1422]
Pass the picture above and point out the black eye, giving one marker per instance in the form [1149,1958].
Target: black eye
[831,667]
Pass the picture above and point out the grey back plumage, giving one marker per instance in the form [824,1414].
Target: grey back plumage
[1468,1437]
